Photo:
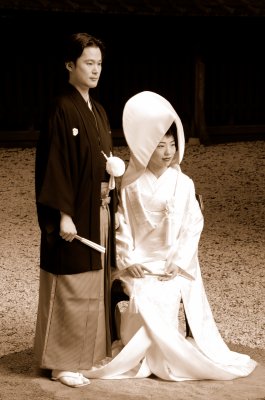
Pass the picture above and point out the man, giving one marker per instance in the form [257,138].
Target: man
[73,196]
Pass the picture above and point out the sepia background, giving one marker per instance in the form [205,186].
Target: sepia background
[207,58]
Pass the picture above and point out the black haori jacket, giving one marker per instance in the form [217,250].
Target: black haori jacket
[69,170]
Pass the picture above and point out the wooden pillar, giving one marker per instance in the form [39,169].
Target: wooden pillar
[199,127]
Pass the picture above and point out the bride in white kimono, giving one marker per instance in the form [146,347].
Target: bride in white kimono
[160,222]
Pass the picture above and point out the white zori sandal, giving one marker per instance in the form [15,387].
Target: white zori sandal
[72,379]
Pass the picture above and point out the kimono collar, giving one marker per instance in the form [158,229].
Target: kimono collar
[146,118]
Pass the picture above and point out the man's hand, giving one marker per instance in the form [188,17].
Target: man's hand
[67,227]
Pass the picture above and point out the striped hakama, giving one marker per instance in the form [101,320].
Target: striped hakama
[71,322]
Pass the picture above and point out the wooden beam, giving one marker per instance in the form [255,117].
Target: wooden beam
[199,129]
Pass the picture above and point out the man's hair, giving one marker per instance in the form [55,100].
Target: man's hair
[77,42]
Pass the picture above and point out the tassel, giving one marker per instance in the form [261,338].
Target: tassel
[111,182]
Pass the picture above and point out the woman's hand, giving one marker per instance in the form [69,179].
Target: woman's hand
[137,270]
[67,227]
[172,271]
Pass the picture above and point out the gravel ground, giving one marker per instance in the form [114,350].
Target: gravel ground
[230,178]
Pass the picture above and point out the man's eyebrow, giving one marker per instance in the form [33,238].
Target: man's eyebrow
[92,59]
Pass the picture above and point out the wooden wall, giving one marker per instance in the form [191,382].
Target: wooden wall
[143,53]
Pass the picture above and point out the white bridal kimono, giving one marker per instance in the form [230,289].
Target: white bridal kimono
[161,222]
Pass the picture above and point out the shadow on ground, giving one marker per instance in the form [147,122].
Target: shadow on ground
[21,380]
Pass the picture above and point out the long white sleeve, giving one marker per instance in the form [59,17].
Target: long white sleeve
[185,249]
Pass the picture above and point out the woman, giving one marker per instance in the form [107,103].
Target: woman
[160,223]
[73,198]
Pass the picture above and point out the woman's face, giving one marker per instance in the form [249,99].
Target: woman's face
[163,154]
